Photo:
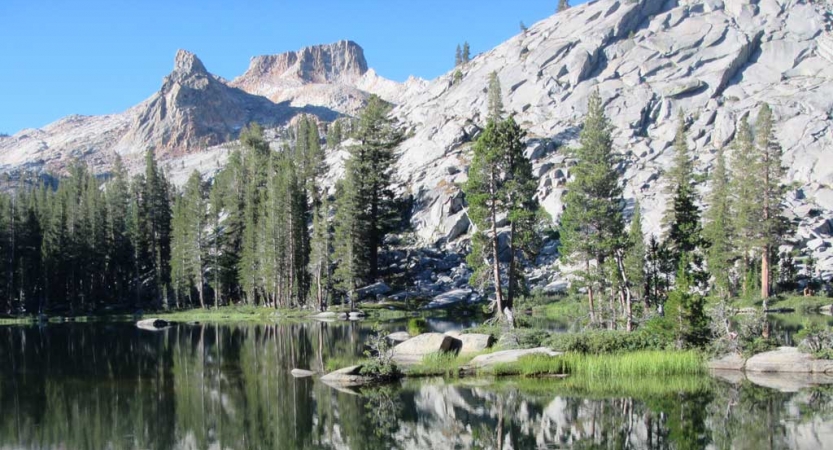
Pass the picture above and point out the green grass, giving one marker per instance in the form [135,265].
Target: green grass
[633,364]
[241,313]
[441,364]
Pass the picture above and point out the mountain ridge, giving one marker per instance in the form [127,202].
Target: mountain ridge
[717,60]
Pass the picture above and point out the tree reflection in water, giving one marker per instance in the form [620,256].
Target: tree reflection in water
[214,386]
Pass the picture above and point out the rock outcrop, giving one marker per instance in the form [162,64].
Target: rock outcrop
[716,60]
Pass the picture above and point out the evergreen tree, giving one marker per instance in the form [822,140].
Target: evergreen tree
[188,263]
[745,199]
[155,214]
[687,309]
[466,55]
[501,183]
[365,210]
[563,5]
[772,225]
[592,224]
[682,216]
[634,263]
[120,252]
[255,165]
[718,230]
[458,56]
[495,98]
[320,257]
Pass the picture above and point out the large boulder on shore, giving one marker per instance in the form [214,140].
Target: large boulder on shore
[472,342]
[348,376]
[415,348]
[153,324]
[490,360]
[788,359]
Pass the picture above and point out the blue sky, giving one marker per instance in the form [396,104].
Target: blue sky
[61,57]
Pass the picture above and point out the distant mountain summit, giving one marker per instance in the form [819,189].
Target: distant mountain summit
[194,109]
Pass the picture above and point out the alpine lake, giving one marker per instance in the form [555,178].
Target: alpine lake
[111,385]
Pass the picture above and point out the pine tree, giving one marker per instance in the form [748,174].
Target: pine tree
[718,230]
[682,216]
[563,5]
[634,263]
[466,55]
[120,252]
[771,173]
[255,167]
[458,56]
[320,257]
[495,98]
[365,210]
[501,183]
[592,224]
[746,198]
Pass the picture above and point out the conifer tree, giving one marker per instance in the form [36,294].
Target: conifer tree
[495,98]
[365,209]
[634,263]
[772,224]
[320,257]
[746,199]
[592,224]
[682,216]
[466,55]
[718,230]
[458,56]
[563,5]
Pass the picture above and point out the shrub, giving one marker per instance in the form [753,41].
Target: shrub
[523,338]
[379,364]
[417,326]
[610,341]
[750,335]
[816,339]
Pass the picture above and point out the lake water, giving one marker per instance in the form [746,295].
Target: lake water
[113,386]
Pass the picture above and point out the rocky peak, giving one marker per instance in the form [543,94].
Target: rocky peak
[342,61]
[188,70]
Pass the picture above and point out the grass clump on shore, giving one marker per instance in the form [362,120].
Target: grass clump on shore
[441,364]
[632,364]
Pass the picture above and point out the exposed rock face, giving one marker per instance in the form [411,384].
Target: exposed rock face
[717,60]
[334,75]
[194,109]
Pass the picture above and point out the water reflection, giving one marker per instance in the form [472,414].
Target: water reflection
[196,387]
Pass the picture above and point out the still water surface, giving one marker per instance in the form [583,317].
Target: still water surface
[113,386]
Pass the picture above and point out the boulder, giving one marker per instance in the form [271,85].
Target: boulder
[449,298]
[373,290]
[474,342]
[399,336]
[348,376]
[153,324]
[302,373]
[732,361]
[415,348]
[490,360]
[789,360]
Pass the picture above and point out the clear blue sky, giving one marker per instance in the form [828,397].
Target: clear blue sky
[61,57]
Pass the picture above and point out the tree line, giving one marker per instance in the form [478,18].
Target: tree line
[262,232]
[726,250]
